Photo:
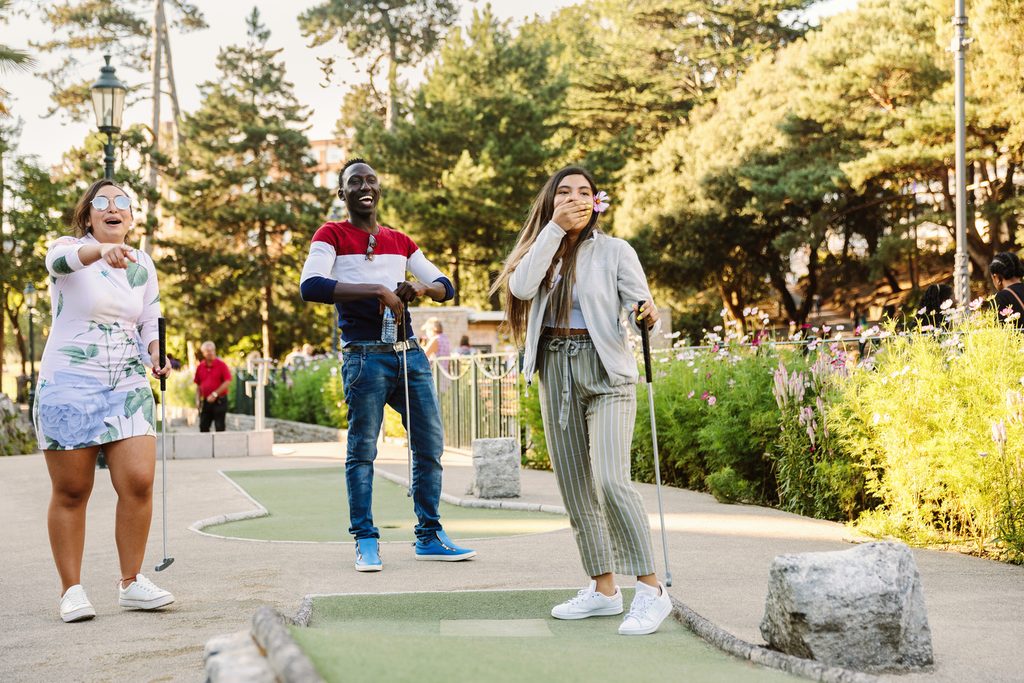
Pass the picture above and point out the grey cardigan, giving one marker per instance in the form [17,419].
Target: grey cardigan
[609,281]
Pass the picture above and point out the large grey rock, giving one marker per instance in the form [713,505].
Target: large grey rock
[496,468]
[860,609]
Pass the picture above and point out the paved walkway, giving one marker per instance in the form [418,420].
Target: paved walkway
[720,557]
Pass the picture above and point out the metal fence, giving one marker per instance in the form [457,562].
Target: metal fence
[479,397]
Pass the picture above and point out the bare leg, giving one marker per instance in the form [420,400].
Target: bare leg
[651,580]
[132,465]
[605,584]
[71,475]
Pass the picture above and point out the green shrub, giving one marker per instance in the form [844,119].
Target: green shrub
[921,424]
[535,455]
[311,394]
[715,412]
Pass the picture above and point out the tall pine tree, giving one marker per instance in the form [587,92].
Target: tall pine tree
[246,205]
[464,165]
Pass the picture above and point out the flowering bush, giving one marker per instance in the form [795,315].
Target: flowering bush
[815,477]
[920,424]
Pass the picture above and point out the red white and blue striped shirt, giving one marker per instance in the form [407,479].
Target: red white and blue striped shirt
[338,254]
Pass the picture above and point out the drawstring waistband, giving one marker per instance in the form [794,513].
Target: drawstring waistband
[568,347]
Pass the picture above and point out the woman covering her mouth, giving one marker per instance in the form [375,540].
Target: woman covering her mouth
[93,392]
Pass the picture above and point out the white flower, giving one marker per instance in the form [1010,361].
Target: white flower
[946,305]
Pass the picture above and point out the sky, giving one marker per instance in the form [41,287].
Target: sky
[194,56]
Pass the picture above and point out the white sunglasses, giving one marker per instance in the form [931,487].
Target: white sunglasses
[102,203]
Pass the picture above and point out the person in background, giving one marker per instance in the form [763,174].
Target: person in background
[930,311]
[464,347]
[438,345]
[213,377]
[1006,270]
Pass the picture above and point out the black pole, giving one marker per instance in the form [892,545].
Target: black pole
[31,361]
[108,157]
[108,173]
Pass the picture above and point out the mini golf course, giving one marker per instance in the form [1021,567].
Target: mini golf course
[311,504]
[500,636]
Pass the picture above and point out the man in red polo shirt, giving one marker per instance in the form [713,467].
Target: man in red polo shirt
[212,379]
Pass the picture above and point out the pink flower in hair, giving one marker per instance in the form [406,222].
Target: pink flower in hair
[601,202]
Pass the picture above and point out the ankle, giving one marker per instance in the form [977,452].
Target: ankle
[125,582]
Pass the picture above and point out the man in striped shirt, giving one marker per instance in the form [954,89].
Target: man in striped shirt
[360,266]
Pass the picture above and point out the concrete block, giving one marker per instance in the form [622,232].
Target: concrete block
[496,468]
[261,443]
[230,444]
[188,445]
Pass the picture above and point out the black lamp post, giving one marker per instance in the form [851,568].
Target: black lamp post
[108,104]
[31,298]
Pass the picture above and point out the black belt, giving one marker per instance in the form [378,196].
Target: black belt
[356,347]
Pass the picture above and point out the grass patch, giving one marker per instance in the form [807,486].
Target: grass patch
[311,504]
[418,636]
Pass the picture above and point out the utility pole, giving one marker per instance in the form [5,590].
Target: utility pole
[961,276]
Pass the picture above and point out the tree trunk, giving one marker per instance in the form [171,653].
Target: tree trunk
[19,338]
[724,291]
[456,275]
[267,300]
[389,118]
[171,86]
[154,172]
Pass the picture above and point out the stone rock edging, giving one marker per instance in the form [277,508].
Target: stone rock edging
[286,658]
[772,659]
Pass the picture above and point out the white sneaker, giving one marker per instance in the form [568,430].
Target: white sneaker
[647,611]
[143,594]
[75,606]
[589,603]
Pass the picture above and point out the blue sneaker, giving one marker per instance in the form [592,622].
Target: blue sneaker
[368,555]
[441,549]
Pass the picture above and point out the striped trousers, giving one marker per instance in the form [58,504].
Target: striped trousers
[588,425]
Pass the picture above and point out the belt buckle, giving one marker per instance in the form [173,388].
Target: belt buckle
[402,346]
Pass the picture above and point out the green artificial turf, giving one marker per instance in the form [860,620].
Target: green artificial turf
[500,636]
[312,505]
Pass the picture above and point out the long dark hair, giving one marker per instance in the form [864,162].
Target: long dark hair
[1007,266]
[516,310]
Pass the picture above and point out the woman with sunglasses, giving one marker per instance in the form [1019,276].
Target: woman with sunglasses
[567,287]
[93,392]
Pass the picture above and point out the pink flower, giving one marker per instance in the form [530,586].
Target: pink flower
[601,202]
[712,400]
[1006,311]
[704,396]
[690,395]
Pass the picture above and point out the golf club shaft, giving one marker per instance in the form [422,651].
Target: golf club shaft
[163,466]
[649,375]
[161,326]
[408,415]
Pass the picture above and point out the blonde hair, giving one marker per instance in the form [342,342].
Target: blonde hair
[516,310]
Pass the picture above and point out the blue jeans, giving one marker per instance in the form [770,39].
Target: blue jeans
[371,380]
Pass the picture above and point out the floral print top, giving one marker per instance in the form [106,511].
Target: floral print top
[93,387]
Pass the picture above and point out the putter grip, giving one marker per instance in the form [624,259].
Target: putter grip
[161,330]
[645,336]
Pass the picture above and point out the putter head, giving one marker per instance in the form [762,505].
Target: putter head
[168,561]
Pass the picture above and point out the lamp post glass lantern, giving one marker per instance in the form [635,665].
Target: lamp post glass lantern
[108,104]
[31,298]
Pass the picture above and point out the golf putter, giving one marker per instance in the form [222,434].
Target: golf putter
[646,338]
[162,333]
[408,415]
